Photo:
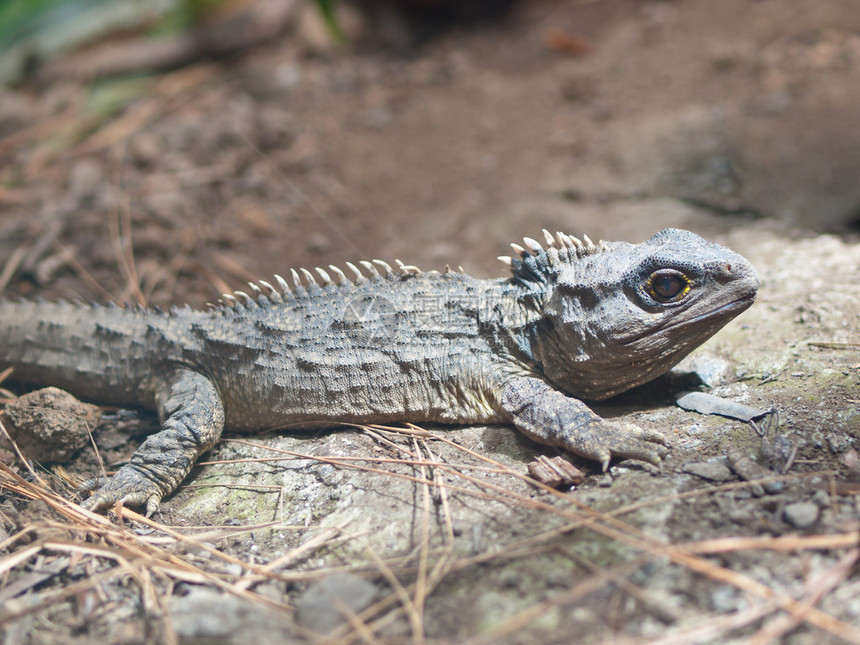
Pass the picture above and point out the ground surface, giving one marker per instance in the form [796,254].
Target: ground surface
[739,121]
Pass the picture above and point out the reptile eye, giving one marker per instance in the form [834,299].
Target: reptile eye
[668,285]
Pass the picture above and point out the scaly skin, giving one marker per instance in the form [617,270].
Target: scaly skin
[574,321]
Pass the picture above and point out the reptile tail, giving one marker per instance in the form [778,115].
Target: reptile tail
[84,349]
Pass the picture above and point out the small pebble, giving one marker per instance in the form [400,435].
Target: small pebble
[749,470]
[801,515]
[605,481]
[272,590]
[710,370]
[233,569]
[743,515]
[711,470]
[821,498]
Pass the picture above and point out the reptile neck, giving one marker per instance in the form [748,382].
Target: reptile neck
[511,317]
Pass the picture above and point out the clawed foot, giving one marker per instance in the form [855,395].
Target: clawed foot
[621,440]
[128,487]
[551,417]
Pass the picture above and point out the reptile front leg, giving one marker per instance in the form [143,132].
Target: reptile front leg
[551,417]
[192,418]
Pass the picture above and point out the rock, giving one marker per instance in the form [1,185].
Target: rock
[318,608]
[206,614]
[711,470]
[852,463]
[50,425]
[751,471]
[801,515]
[727,157]
[742,514]
[711,370]
[605,481]
[821,498]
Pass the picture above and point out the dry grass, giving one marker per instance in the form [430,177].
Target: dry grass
[116,550]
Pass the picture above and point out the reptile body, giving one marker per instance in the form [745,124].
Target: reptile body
[575,320]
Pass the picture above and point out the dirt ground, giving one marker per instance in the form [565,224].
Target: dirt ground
[738,120]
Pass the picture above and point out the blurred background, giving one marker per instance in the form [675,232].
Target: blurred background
[168,151]
[165,151]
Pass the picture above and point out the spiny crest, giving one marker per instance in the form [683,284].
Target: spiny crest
[533,263]
[304,283]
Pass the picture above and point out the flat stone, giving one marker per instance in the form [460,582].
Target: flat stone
[711,470]
[705,403]
[205,614]
[320,608]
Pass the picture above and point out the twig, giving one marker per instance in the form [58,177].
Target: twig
[814,591]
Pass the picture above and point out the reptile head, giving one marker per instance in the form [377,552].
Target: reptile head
[616,315]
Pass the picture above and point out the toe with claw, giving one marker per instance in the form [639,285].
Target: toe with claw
[129,487]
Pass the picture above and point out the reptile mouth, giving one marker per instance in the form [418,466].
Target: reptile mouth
[728,310]
[731,308]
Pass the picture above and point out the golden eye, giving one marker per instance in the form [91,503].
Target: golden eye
[668,285]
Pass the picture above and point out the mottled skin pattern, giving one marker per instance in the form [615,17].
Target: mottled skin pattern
[574,321]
